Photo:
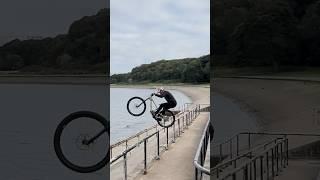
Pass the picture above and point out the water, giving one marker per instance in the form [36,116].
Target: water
[229,119]
[122,123]
[29,116]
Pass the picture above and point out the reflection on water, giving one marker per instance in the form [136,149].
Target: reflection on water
[29,116]
[229,119]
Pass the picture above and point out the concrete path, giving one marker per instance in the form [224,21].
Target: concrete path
[300,170]
[177,162]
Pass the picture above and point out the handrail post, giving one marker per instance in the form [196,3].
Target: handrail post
[220,148]
[125,166]
[261,167]
[267,160]
[272,161]
[167,138]
[277,159]
[158,145]
[179,126]
[281,154]
[174,133]
[145,156]
[238,145]
[255,169]
[287,150]
[246,172]
[249,140]
[230,148]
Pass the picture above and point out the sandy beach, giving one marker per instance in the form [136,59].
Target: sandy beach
[279,106]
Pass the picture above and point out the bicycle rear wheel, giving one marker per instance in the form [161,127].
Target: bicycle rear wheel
[136,106]
[167,118]
[81,141]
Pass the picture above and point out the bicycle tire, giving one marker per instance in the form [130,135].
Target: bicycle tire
[58,149]
[143,108]
[171,115]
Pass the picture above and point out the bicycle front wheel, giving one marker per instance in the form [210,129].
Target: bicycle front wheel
[136,106]
[81,141]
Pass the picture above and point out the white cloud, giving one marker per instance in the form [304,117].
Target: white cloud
[143,31]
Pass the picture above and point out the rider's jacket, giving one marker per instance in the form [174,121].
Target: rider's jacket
[168,96]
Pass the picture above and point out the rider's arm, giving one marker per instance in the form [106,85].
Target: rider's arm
[158,95]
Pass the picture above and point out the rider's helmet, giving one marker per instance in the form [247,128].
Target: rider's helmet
[160,90]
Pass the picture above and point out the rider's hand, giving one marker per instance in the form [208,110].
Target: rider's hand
[152,94]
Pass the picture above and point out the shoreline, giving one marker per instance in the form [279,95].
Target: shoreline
[90,79]
[279,106]
[199,94]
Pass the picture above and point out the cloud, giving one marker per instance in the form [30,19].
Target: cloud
[143,31]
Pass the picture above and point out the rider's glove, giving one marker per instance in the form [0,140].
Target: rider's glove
[152,94]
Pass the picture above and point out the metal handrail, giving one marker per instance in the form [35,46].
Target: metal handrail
[279,153]
[145,130]
[199,158]
[245,154]
[190,116]
[276,158]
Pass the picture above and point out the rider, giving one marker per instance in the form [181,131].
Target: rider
[171,101]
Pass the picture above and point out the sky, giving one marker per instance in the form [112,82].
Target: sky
[42,18]
[144,31]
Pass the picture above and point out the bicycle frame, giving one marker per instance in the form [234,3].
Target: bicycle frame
[151,103]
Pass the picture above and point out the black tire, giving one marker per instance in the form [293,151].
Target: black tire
[57,141]
[168,114]
[142,106]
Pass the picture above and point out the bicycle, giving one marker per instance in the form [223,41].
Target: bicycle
[136,106]
[81,153]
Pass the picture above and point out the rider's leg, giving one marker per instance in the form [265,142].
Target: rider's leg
[166,106]
[160,107]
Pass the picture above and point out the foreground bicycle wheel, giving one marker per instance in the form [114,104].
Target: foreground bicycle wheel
[81,141]
[167,118]
[136,106]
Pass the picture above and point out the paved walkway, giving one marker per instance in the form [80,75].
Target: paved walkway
[300,170]
[177,162]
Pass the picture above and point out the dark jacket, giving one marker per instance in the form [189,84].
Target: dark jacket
[168,96]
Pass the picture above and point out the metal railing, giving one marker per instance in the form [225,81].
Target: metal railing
[184,118]
[200,156]
[242,156]
[244,164]
[265,165]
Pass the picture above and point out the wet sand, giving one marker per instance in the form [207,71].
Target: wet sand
[279,106]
